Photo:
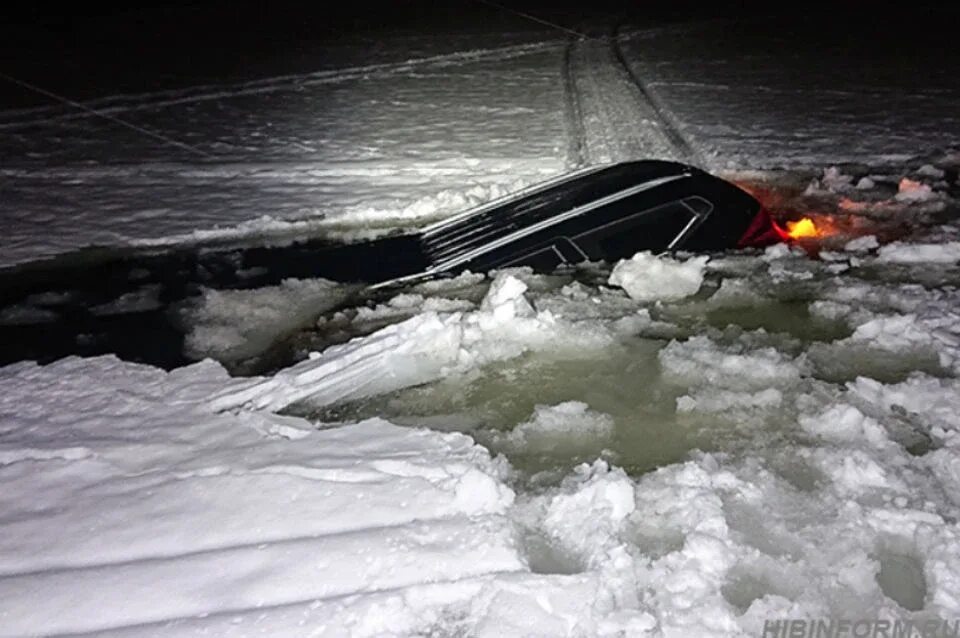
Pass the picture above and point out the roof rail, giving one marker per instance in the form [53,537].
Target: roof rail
[530,190]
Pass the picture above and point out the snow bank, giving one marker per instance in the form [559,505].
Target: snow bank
[169,512]
[430,207]
[647,277]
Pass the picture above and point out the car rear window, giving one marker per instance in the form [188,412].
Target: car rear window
[652,229]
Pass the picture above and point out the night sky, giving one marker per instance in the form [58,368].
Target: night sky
[92,49]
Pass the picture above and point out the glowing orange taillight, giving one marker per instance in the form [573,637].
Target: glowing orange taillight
[803,229]
[807,228]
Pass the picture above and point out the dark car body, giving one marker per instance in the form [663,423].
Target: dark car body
[604,213]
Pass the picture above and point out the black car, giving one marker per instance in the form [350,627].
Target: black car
[604,213]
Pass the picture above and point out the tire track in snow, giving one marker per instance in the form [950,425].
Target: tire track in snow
[117,104]
[617,117]
[668,122]
[573,116]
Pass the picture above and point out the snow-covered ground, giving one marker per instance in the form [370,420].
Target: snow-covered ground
[675,447]
[425,137]
[805,89]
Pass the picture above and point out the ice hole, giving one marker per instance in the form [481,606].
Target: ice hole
[779,317]
[751,525]
[652,541]
[545,557]
[901,578]
[798,473]
[752,582]
[743,589]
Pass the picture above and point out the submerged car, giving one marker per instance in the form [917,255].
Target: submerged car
[603,213]
[129,304]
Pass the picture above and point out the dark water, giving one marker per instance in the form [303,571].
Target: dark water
[125,301]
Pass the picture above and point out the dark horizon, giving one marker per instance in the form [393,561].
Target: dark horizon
[97,49]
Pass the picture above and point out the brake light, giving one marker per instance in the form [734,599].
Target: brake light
[762,232]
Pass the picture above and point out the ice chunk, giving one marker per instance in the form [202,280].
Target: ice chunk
[855,471]
[585,515]
[23,314]
[834,180]
[234,325]
[781,251]
[903,253]
[646,277]
[844,423]
[415,351]
[421,349]
[912,191]
[893,332]
[710,400]
[505,298]
[862,244]
[933,404]
[142,300]
[700,361]
[405,305]
[929,170]
[567,428]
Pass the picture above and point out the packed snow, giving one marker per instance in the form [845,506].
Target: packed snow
[119,523]
[283,161]
[667,446]
[731,90]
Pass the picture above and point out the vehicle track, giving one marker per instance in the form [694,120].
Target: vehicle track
[668,123]
[573,117]
[611,115]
